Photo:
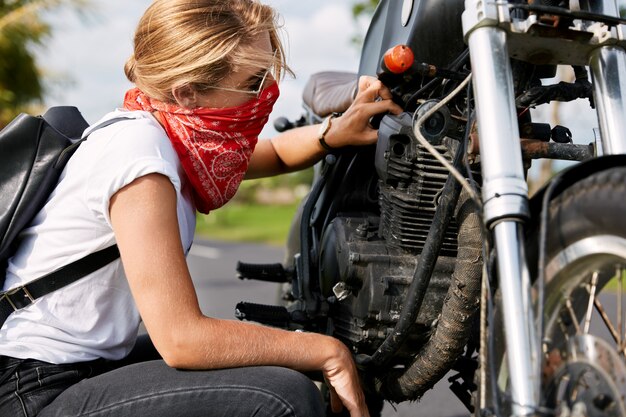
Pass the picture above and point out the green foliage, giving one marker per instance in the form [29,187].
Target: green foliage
[248,223]
[247,219]
[248,189]
[364,8]
[22,27]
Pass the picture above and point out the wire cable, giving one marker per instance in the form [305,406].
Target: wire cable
[417,125]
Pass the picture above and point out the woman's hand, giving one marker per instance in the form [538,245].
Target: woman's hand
[343,382]
[299,148]
[353,127]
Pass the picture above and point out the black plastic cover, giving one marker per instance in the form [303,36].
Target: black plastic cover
[433,31]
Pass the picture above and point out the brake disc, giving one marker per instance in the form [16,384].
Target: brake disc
[591,381]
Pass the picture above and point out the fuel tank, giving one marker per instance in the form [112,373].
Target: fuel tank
[432,28]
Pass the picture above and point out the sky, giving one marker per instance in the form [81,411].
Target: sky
[84,59]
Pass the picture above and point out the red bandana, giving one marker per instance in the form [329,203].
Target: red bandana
[214,144]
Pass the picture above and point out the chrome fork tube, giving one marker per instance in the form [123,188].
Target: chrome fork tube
[505,192]
[521,340]
[608,67]
[505,197]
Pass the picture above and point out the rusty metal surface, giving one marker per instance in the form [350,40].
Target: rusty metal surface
[538,149]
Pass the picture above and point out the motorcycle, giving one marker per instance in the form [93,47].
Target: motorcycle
[424,253]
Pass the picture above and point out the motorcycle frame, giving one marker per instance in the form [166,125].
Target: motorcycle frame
[493,37]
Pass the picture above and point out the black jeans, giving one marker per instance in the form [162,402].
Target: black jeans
[151,388]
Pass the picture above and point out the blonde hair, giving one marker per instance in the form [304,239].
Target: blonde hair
[199,43]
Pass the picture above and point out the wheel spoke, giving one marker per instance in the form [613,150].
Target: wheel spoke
[609,325]
[570,309]
[563,328]
[592,295]
[620,321]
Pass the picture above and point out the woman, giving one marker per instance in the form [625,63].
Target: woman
[205,72]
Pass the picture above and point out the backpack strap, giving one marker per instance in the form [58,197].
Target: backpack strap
[22,296]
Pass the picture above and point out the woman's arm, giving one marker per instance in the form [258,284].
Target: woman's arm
[144,219]
[299,148]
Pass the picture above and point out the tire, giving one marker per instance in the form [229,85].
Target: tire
[584,366]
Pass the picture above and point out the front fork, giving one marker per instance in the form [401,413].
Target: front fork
[505,204]
[504,188]
[608,67]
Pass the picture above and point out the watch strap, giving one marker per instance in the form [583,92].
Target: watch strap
[325,145]
[325,127]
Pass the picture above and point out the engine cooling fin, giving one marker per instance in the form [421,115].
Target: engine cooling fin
[409,198]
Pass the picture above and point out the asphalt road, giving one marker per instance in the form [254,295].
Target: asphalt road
[212,266]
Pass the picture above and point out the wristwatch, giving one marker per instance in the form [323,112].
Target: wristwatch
[324,128]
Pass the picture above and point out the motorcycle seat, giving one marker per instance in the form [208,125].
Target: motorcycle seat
[330,91]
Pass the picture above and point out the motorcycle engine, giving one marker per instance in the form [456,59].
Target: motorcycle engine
[367,260]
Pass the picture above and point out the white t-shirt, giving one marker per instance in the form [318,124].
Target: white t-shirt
[95,317]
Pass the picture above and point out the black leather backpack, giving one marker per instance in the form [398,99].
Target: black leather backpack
[33,152]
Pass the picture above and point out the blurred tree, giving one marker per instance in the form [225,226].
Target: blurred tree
[361,9]
[366,7]
[21,28]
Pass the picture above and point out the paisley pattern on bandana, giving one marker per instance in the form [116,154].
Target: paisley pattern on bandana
[214,144]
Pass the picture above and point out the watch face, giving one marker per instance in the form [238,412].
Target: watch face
[324,127]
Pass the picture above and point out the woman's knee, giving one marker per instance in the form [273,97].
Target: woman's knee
[296,389]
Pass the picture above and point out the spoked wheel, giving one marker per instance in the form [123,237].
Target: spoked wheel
[584,344]
[584,372]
